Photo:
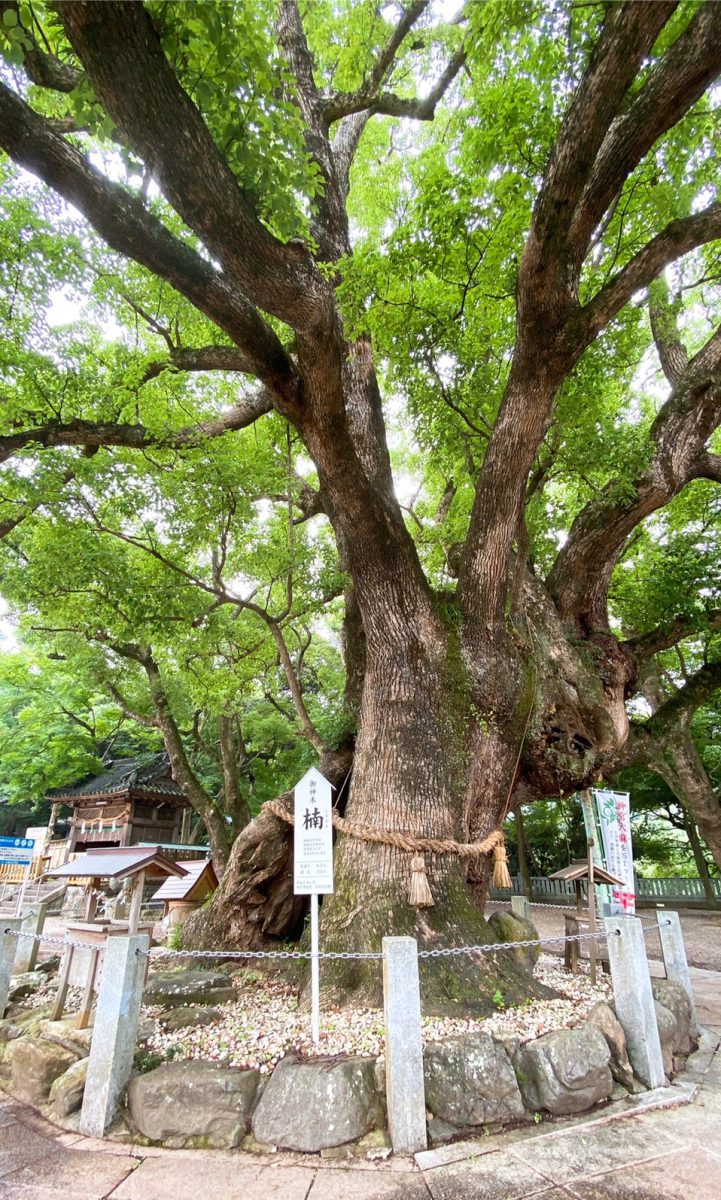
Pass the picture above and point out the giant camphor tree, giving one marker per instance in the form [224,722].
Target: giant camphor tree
[386,218]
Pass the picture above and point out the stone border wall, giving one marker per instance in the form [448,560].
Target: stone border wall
[472,1082]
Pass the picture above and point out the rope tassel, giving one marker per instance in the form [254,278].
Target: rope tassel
[501,875]
[420,894]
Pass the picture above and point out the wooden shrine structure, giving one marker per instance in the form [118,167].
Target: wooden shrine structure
[182,896]
[134,800]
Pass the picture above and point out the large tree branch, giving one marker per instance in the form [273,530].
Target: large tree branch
[108,433]
[129,228]
[690,65]
[672,715]
[663,315]
[548,340]
[330,225]
[236,804]
[350,129]
[581,574]
[709,467]
[645,645]
[183,773]
[117,43]
[420,108]
[42,68]
[678,238]
[628,34]
[203,358]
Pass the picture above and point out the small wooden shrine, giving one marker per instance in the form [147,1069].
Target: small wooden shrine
[584,869]
[83,956]
[181,896]
[135,800]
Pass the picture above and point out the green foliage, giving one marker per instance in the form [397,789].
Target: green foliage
[198,556]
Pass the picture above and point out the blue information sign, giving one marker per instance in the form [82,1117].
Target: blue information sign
[16,851]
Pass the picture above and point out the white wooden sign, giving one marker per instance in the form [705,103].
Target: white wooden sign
[313,836]
[313,866]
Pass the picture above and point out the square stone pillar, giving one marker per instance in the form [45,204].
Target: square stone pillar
[632,993]
[674,954]
[27,949]
[9,926]
[405,1091]
[115,1030]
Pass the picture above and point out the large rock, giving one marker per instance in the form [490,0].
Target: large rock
[674,997]
[193,1103]
[193,1014]
[34,1067]
[313,1106]
[470,1081]
[66,1093]
[565,1072]
[603,1018]
[168,990]
[509,927]
[64,1033]
[9,1031]
[26,984]
[666,1022]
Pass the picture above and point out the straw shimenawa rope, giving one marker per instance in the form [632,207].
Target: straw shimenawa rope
[420,892]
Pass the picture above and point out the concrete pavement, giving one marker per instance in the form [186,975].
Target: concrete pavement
[647,1153]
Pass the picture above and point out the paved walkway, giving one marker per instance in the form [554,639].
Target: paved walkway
[663,1153]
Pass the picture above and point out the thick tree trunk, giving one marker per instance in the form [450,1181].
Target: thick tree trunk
[254,907]
[523,864]
[681,767]
[699,858]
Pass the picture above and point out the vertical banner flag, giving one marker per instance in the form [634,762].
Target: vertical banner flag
[614,819]
[593,830]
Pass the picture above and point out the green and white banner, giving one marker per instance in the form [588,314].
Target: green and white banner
[611,818]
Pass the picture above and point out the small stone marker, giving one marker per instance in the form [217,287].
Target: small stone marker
[520,907]
[8,950]
[674,953]
[405,1091]
[115,1030]
[632,993]
[27,948]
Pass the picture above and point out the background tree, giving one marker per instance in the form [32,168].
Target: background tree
[285,196]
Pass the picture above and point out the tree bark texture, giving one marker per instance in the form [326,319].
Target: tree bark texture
[513,682]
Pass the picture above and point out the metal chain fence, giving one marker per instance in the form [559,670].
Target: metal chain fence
[445,952]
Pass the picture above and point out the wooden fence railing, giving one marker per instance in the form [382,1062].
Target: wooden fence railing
[653,891]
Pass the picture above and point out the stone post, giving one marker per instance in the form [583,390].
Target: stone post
[521,907]
[632,993]
[8,950]
[114,1031]
[674,954]
[405,1092]
[27,951]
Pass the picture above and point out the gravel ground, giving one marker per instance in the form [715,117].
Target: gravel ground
[701,932]
[265,1023]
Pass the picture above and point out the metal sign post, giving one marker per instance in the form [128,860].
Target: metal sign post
[18,852]
[313,865]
